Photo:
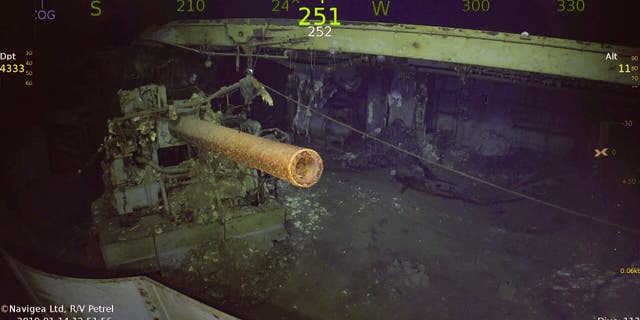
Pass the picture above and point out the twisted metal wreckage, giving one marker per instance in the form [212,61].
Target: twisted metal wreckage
[146,183]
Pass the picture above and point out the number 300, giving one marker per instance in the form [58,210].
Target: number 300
[476,5]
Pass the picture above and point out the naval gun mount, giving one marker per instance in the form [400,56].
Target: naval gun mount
[176,176]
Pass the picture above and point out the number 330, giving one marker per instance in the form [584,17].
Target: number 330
[570,5]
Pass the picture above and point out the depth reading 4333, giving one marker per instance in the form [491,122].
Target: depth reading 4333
[13,64]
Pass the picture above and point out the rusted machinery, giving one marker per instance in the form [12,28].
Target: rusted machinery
[176,176]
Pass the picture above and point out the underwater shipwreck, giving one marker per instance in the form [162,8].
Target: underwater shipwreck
[387,171]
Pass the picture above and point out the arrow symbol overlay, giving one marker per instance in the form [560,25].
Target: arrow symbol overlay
[601,152]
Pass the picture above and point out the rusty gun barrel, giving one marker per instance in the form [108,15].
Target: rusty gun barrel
[299,166]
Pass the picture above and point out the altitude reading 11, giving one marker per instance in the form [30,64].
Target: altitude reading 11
[632,69]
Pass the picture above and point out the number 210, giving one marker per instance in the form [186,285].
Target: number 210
[200,5]
[570,5]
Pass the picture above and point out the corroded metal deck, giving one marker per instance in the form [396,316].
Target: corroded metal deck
[119,298]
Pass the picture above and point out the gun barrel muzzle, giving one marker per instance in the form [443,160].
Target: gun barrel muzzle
[299,166]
